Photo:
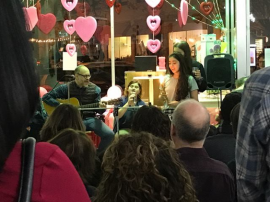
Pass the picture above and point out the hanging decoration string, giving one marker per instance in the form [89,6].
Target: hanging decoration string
[193,18]
[213,18]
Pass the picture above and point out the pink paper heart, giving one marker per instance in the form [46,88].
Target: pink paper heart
[85,27]
[180,22]
[153,45]
[152,3]
[184,11]
[153,22]
[46,22]
[69,26]
[71,49]
[69,4]
[31,17]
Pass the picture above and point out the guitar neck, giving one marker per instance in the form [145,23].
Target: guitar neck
[93,105]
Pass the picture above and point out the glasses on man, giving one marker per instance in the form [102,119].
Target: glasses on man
[85,76]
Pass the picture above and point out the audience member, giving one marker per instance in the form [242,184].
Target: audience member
[141,167]
[212,179]
[64,116]
[132,98]
[81,152]
[199,74]
[152,120]
[178,83]
[261,61]
[252,142]
[54,176]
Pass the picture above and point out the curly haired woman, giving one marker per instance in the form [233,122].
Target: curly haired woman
[141,167]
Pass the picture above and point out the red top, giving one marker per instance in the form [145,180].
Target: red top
[55,178]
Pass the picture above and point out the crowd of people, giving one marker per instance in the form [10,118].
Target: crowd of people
[153,158]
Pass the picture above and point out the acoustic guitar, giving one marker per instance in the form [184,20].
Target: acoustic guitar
[75,102]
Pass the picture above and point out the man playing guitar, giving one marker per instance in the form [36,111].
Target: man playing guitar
[87,93]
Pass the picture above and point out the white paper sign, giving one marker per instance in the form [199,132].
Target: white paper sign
[69,62]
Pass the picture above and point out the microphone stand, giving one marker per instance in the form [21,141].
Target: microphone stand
[115,114]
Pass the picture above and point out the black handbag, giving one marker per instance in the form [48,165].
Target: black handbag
[27,169]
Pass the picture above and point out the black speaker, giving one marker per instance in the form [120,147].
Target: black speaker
[220,72]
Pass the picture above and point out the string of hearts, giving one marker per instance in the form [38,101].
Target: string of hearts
[84,26]
[185,10]
[153,23]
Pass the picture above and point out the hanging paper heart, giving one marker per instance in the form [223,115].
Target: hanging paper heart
[160,4]
[157,31]
[31,17]
[153,22]
[153,45]
[71,49]
[184,11]
[85,27]
[80,9]
[153,11]
[69,26]
[46,22]
[69,4]
[206,7]
[118,8]
[180,22]
[152,3]
[198,17]
[110,3]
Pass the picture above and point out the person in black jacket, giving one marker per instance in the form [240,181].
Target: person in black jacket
[199,75]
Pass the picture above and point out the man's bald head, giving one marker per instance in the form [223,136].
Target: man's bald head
[191,121]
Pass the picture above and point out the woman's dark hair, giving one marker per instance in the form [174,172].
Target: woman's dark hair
[19,81]
[140,87]
[141,167]
[79,149]
[183,45]
[152,120]
[182,87]
[64,116]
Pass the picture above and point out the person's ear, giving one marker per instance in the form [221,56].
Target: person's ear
[173,133]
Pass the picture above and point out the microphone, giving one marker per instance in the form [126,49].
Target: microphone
[67,76]
[70,76]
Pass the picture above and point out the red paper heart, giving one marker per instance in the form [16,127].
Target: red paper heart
[160,4]
[180,22]
[184,11]
[80,9]
[118,8]
[206,7]
[110,3]
[46,22]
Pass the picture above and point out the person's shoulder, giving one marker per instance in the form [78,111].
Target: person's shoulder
[219,167]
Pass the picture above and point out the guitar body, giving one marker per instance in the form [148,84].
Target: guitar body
[73,101]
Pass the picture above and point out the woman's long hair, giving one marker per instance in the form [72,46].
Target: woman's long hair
[183,45]
[141,167]
[182,87]
[18,77]
[64,116]
[80,150]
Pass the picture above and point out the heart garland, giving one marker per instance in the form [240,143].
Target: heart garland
[153,22]
[153,3]
[69,5]
[206,7]
[69,26]
[85,27]
[153,45]
[71,49]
